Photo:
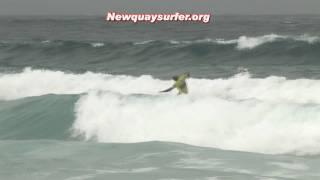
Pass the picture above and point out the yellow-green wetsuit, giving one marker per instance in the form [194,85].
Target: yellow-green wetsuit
[180,84]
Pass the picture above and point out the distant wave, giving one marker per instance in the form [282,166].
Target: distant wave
[260,50]
[243,42]
[268,115]
[53,43]
[247,42]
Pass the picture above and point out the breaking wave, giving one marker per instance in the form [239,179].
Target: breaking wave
[268,115]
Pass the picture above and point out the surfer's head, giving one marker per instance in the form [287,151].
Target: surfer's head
[187,74]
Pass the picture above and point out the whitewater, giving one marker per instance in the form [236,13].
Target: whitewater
[272,115]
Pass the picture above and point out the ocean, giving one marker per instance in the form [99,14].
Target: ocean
[79,99]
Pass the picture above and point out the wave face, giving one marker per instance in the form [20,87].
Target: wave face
[268,115]
[144,57]
[41,117]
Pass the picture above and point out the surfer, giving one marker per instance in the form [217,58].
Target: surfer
[180,83]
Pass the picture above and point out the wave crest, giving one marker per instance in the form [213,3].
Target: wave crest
[269,115]
[208,121]
[242,42]
[276,89]
[246,42]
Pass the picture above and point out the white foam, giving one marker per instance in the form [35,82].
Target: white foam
[185,42]
[46,41]
[253,126]
[40,82]
[97,44]
[174,42]
[248,42]
[307,38]
[245,42]
[273,89]
[143,42]
[268,115]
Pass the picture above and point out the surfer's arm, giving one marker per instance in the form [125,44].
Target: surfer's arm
[169,89]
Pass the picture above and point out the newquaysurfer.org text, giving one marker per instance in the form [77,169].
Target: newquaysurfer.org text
[153,18]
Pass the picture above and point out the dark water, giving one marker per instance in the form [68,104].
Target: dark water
[79,99]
